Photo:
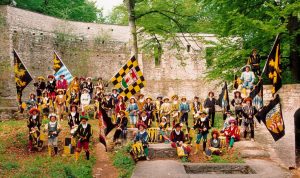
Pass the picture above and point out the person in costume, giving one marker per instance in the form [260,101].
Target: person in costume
[175,109]
[214,144]
[254,62]
[248,78]
[83,83]
[163,130]
[98,95]
[114,96]
[73,97]
[120,106]
[51,87]
[209,105]
[75,84]
[133,109]
[249,112]
[143,118]
[158,104]
[40,87]
[140,102]
[184,109]
[202,128]
[60,102]
[149,108]
[90,86]
[258,101]
[177,139]
[53,128]
[232,133]
[229,117]
[196,107]
[142,136]
[108,104]
[31,102]
[34,124]
[46,104]
[166,109]
[121,126]
[84,132]
[85,99]
[62,83]
[237,102]
[102,84]
[73,117]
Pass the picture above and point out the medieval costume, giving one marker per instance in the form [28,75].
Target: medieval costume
[196,107]
[229,117]
[60,103]
[177,139]
[34,125]
[232,133]
[237,102]
[101,84]
[121,126]
[184,109]
[258,101]
[90,86]
[40,87]
[175,109]
[149,108]
[114,96]
[158,104]
[98,96]
[163,130]
[249,112]
[142,136]
[85,99]
[51,87]
[107,104]
[132,108]
[202,127]
[209,105]
[53,128]
[214,144]
[73,117]
[248,78]
[140,102]
[254,62]
[83,84]
[120,106]
[84,132]
[31,103]
[62,83]
[45,104]
[75,85]
[73,98]
[143,118]
[166,109]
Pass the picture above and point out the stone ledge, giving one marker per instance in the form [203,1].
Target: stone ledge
[162,151]
[254,154]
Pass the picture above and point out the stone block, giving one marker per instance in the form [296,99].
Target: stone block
[162,151]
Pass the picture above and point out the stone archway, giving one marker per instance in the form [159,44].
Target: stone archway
[297,136]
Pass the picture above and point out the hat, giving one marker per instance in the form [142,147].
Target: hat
[33,109]
[182,98]
[85,89]
[140,95]
[248,99]
[62,75]
[178,125]
[215,132]
[232,121]
[166,98]
[52,115]
[159,96]
[211,93]
[51,76]
[196,97]
[164,117]
[174,96]
[148,97]
[122,111]
[84,117]
[141,124]
[89,78]
[41,78]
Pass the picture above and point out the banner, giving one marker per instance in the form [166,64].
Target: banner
[60,68]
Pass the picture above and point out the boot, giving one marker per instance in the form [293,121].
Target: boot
[204,146]
[76,155]
[197,146]
[55,150]
[87,154]
[49,151]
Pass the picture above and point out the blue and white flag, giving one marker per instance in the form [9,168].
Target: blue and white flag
[61,69]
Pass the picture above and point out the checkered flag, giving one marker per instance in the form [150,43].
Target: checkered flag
[129,80]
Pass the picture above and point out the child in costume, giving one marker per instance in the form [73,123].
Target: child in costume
[40,87]
[73,118]
[184,109]
[133,109]
[163,130]
[149,108]
[120,106]
[31,102]
[60,102]
[229,117]
[143,118]
[51,87]
[232,133]
[140,102]
[84,133]
[34,125]
[142,136]
[214,144]
[158,104]
[248,78]
[237,102]
[121,126]
[90,86]
[166,109]
[209,105]
[177,139]
[202,128]
[53,128]
[62,83]
[196,107]
[45,104]
[175,109]
[254,61]
[85,99]
[249,112]
[73,97]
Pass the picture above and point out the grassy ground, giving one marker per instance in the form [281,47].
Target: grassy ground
[15,161]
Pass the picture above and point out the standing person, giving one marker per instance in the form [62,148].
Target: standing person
[102,84]
[85,99]
[209,105]
[158,104]
[75,84]
[45,104]
[73,117]
[237,102]
[84,132]
[114,96]
[51,87]
[249,112]
[254,62]
[62,83]
[258,101]
[184,109]
[98,94]
[166,110]
[202,127]
[60,102]
[31,102]
[90,86]
[34,125]
[196,107]
[232,133]
[74,97]
[121,126]
[83,83]
[40,87]
[53,128]
[120,106]
[142,136]
[140,102]
[149,108]
[175,109]
[133,109]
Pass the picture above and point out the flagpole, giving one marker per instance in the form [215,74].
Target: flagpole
[269,55]
[23,63]
[123,66]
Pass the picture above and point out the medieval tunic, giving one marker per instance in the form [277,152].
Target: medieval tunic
[184,108]
[74,98]
[90,86]
[237,103]
[84,132]
[132,109]
[33,125]
[120,107]
[142,136]
[157,109]
[121,126]
[209,104]
[149,107]
[202,126]
[40,87]
[60,103]
[248,113]
[254,61]
[175,110]
[85,100]
[73,119]
[45,104]
[196,107]
[51,86]
[232,134]
[62,84]
[53,129]
[248,79]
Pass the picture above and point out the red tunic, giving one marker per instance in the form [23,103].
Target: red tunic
[62,84]
[232,132]
[120,107]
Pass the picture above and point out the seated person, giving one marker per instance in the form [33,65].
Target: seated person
[121,126]
[143,118]
[163,130]
[248,78]
[142,136]
[226,122]
[177,139]
[214,144]
[232,133]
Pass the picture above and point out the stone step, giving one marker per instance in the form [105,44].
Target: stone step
[254,154]
[249,145]
[162,151]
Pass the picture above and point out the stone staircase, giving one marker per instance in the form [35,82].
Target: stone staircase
[162,151]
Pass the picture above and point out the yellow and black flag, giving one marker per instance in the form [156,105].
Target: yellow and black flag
[273,66]
[223,100]
[129,80]
[271,115]
[22,76]
[258,88]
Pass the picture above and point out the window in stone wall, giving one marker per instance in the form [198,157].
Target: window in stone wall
[188,48]
[157,55]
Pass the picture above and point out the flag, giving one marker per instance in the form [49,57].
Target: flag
[272,67]
[271,115]
[223,100]
[129,80]
[107,121]
[257,88]
[60,69]
[22,76]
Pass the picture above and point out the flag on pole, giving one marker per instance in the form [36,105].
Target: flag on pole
[257,89]
[223,100]
[60,68]
[22,76]
[271,115]
[129,80]
[272,67]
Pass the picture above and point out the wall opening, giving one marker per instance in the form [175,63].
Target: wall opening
[297,136]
